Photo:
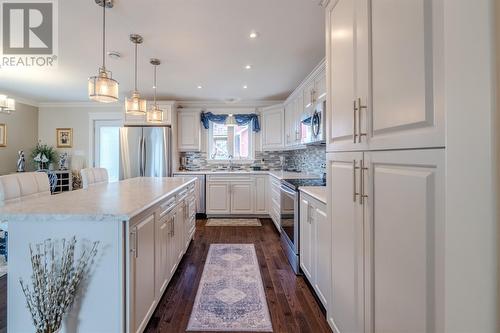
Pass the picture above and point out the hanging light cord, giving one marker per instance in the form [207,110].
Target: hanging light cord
[104,35]
[136,66]
[155,87]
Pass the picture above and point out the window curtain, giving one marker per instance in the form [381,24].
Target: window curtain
[241,119]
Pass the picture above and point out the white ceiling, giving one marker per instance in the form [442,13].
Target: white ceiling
[201,42]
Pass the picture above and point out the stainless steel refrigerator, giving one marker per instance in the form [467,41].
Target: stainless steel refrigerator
[145,151]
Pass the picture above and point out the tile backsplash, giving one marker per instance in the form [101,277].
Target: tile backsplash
[311,159]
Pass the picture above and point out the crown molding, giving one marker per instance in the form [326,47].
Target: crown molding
[224,105]
[25,101]
[323,3]
[320,67]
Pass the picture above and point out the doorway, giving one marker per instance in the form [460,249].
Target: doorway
[107,147]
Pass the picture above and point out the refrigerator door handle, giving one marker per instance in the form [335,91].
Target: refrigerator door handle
[144,159]
[141,158]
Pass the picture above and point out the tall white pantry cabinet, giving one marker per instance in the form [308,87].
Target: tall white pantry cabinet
[385,152]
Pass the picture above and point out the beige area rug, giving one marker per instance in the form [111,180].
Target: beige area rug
[233,223]
[3,269]
[231,295]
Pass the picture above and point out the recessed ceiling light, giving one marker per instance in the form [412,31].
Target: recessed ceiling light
[199,87]
[248,67]
[245,86]
[254,34]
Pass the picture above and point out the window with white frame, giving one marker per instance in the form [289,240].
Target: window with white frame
[230,142]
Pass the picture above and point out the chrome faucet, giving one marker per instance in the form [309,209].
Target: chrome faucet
[231,165]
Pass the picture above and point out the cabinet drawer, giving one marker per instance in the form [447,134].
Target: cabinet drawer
[166,207]
[229,178]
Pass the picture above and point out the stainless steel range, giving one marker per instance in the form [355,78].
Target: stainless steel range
[290,213]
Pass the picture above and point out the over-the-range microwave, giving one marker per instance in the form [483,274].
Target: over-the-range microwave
[313,124]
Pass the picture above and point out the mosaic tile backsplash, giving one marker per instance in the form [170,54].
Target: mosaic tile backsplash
[311,159]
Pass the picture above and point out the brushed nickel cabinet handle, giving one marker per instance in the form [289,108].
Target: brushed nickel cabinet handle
[354,129]
[134,250]
[363,196]
[359,108]
[354,185]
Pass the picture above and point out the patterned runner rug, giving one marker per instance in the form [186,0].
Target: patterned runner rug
[231,295]
[233,223]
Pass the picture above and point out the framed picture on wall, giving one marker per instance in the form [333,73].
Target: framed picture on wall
[64,137]
[3,135]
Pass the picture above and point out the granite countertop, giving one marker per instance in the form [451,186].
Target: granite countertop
[106,201]
[317,192]
[277,174]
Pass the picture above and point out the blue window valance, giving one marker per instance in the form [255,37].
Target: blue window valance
[241,119]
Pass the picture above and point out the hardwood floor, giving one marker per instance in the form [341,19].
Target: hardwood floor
[291,303]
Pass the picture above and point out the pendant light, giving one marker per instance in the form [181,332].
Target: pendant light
[135,105]
[155,115]
[230,121]
[7,104]
[103,88]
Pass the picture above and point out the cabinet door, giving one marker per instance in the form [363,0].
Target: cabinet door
[320,86]
[218,201]
[179,232]
[322,253]
[405,243]
[189,130]
[273,121]
[142,272]
[299,115]
[290,123]
[308,95]
[260,194]
[161,254]
[306,238]
[346,73]
[172,246]
[345,314]
[242,198]
[407,38]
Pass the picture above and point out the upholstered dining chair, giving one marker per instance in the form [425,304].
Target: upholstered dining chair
[23,185]
[92,176]
[16,187]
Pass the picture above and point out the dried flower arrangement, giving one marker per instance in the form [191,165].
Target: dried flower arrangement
[55,281]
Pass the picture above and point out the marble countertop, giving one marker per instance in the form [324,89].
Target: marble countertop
[106,201]
[317,192]
[277,174]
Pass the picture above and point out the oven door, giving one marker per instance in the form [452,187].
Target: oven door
[289,217]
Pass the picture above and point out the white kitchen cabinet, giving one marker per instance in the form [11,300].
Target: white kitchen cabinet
[242,197]
[290,130]
[142,272]
[322,250]
[261,195]
[218,197]
[404,241]
[320,86]
[163,266]
[393,99]
[188,130]
[347,76]
[346,216]
[273,127]
[387,215]
[306,238]
[315,246]
[308,94]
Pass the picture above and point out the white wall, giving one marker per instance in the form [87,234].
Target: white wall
[74,116]
[22,134]
[471,202]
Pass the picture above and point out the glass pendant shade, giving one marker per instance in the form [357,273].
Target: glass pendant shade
[155,115]
[230,121]
[103,88]
[135,105]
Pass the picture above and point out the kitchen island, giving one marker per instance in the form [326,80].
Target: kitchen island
[143,225]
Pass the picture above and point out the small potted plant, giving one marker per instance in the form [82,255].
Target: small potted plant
[55,282]
[44,156]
